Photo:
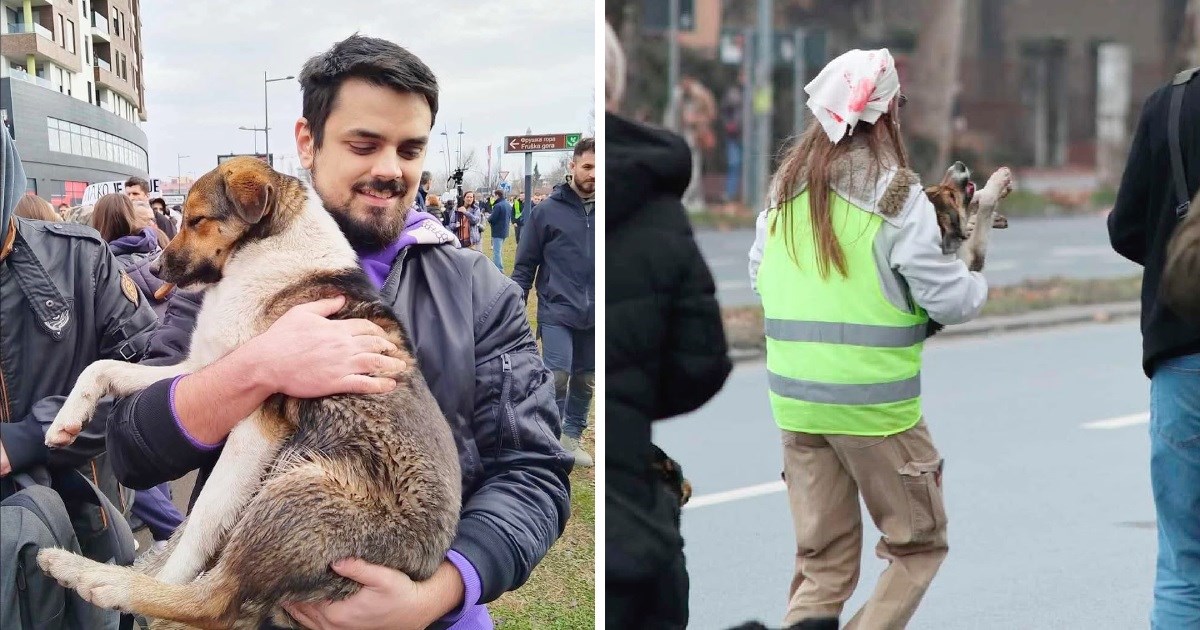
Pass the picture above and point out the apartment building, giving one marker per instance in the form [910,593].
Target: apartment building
[72,93]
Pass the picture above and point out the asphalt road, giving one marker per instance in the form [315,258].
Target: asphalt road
[1074,247]
[1051,519]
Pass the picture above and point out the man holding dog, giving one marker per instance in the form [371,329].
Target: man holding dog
[368,107]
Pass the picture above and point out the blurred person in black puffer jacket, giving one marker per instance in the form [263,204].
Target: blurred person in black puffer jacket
[666,355]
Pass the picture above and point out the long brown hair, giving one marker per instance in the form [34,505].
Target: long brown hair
[34,207]
[809,162]
[114,217]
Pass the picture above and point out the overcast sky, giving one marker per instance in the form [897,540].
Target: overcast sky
[503,66]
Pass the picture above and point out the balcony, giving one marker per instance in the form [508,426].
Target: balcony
[29,78]
[23,41]
[100,27]
[16,28]
[106,78]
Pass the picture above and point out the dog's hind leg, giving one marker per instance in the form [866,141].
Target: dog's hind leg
[103,378]
[209,602]
[233,481]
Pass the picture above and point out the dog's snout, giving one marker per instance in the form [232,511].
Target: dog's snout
[156,266]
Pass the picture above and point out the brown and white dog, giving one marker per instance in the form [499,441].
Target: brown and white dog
[299,483]
[966,216]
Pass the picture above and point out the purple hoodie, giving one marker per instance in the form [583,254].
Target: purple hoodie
[136,253]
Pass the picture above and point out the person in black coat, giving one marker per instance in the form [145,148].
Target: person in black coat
[666,355]
[1149,210]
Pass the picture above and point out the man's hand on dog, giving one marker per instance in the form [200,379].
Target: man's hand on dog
[389,600]
[305,355]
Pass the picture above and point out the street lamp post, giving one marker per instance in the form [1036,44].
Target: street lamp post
[255,130]
[178,171]
[266,116]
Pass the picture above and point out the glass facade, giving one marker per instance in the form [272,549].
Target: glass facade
[68,137]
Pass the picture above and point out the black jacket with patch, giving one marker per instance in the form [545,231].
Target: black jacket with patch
[1144,218]
[665,346]
[491,385]
[62,306]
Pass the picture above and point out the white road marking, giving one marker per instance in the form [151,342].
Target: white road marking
[1119,422]
[1078,251]
[762,489]
[735,495]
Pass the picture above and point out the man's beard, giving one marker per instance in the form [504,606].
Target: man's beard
[375,232]
[585,189]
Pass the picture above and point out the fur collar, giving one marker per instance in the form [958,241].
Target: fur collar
[883,191]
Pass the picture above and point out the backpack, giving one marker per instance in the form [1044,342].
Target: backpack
[1181,271]
[35,517]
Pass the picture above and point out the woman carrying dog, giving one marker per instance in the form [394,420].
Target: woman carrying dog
[850,268]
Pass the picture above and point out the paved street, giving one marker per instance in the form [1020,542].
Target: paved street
[1051,518]
[1075,247]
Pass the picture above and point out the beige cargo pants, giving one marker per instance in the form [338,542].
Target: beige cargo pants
[899,478]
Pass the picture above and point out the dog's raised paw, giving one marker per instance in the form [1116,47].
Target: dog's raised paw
[999,222]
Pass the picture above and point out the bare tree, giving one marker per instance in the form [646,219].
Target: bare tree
[933,85]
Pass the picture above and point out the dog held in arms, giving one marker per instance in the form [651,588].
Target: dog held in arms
[300,483]
[965,215]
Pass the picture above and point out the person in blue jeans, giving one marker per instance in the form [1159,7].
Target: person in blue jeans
[558,247]
[1162,174]
[500,217]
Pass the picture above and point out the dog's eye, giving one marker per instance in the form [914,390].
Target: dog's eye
[194,221]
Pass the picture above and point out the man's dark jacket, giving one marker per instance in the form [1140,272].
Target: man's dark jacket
[665,355]
[558,245]
[500,217]
[62,306]
[473,344]
[1143,219]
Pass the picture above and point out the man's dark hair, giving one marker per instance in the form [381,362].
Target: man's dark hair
[426,177]
[499,193]
[138,181]
[377,61]
[584,146]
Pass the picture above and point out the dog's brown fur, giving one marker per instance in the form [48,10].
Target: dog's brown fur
[366,476]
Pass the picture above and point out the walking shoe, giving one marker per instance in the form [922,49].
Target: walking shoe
[573,447]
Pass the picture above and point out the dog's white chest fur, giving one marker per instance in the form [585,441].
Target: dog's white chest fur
[232,312]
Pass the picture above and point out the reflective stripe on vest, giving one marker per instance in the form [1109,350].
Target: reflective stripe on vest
[841,358]
[851,334]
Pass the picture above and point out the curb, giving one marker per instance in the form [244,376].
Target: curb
[1048,318]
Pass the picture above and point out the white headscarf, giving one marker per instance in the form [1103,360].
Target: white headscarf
[858,85]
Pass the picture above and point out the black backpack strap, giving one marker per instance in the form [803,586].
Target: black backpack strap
[1178,87]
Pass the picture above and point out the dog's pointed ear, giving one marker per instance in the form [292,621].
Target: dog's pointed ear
[252,194]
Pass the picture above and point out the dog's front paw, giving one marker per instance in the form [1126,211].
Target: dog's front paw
[1001,182]
[66,426]
[999,222]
